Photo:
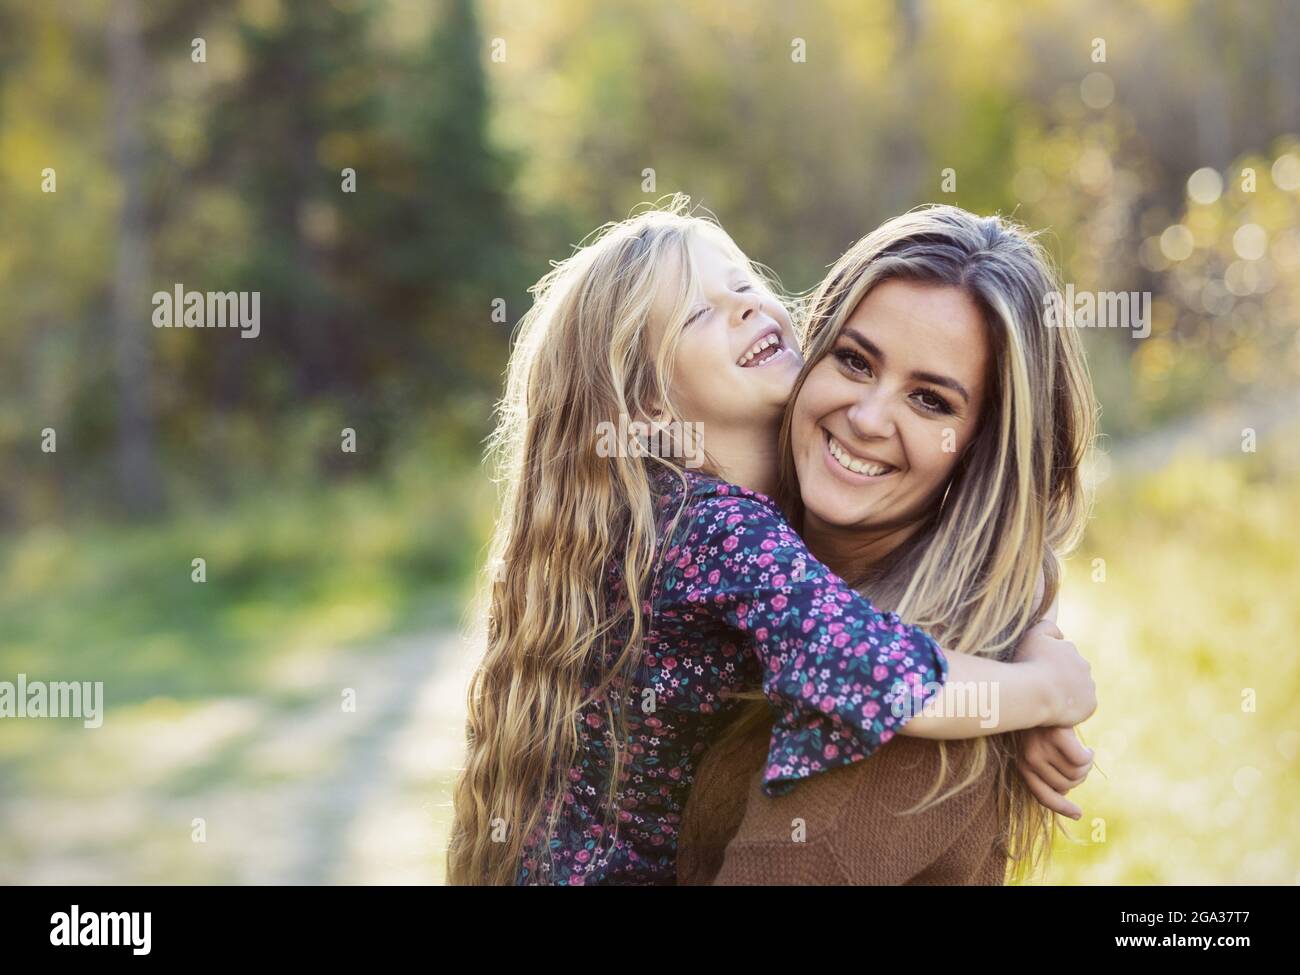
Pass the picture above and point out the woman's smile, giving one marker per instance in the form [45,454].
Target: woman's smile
[854,467]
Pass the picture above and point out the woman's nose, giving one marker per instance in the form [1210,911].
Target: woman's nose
[871,415]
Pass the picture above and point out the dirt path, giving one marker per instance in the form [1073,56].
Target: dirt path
[314,795]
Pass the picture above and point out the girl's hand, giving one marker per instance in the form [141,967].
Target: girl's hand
[1053,761]
[1066,676]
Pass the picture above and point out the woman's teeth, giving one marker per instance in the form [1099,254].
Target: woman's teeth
[851,463]
[758,348]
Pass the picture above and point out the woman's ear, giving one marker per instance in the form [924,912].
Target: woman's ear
[962,459]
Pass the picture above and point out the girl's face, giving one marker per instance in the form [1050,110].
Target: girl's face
[881,421]
[737,357]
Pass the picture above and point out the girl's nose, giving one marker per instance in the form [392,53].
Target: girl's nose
[748,305]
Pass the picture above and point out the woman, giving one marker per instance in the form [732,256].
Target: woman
[931,455]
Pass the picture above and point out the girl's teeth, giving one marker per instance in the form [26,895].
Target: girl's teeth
[852,463]
[758,347]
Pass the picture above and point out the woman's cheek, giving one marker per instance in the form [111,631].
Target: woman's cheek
[932,454]
[819,394]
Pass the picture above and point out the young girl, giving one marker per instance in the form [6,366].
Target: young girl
[630,593]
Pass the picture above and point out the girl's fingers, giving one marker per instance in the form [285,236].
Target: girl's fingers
[1068,744]
[1047,797]
[1068,756]
[1075,775]
[1055,780]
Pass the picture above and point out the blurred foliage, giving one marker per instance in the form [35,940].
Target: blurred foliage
[1189,620]
[487,139]
[372,302]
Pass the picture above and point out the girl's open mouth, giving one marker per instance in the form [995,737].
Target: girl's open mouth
[763,351]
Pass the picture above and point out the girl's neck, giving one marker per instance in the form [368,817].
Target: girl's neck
[744,457]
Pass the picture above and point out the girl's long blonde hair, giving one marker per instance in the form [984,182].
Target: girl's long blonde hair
[582,358]
[1017,501]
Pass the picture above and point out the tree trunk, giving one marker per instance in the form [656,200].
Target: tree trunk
[137,470]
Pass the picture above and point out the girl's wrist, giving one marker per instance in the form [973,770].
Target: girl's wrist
[1043,693]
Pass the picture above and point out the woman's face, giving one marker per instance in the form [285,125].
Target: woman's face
[882,419]
[737,357]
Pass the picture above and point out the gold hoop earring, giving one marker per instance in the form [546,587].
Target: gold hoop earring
[946,491]
[956,473]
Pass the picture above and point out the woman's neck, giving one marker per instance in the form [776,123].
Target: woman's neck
[744,457]
[848,552]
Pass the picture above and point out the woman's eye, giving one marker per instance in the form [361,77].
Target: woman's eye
[744,287]
[695,317]
[853,361]
[935,404]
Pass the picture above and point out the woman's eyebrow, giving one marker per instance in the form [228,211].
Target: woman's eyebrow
[946,381]
[926,377]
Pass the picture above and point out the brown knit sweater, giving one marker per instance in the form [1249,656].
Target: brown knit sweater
[852,833]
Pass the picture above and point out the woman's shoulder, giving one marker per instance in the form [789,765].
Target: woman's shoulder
[856,817]
[720,791]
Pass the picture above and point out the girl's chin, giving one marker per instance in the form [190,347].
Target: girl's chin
[775,398]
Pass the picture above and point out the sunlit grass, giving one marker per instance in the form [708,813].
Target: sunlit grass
[1192,632]
[225,694]
[286,572]
[226,688]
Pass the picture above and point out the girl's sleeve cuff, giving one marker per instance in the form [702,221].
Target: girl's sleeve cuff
[811,743]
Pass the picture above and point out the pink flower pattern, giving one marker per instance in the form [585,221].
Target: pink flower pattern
[738,604]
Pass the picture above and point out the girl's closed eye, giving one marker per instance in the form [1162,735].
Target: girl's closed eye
[700,313]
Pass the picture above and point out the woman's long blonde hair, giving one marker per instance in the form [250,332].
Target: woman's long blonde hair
[582,357]
[1016,503]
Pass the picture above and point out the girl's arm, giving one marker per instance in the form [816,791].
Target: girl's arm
[982,697]
[842,676]
[1049,684]
[1054,761]
[1056,687]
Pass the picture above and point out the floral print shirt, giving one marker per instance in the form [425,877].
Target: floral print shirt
[737,604]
